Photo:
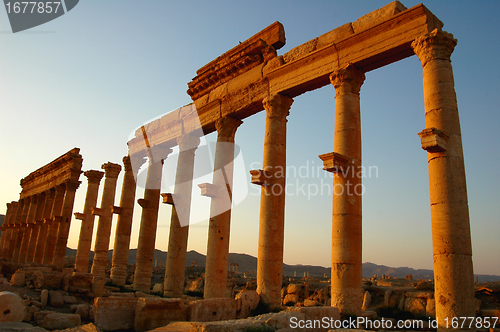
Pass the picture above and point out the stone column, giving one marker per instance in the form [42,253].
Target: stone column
[124,224]
[7,234]
[42,233]
[29,223]
[346,281]
[64,224]
[147,232]
[451,238]
[220,210]
[179,222]
[87,227]
[21,225]
[50,245]
[105,213]
[37,222]
[272,201]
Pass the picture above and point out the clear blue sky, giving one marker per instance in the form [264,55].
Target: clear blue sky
[90,77]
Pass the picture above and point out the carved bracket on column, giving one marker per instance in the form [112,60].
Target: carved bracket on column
[334,162]
[79,216]
[208,190]
[433,140]
[116,210]
[97,211]
[57,219]
[143,203]
[260,177]
[168,198]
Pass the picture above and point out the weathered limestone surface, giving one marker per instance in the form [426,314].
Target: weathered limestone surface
[346,281]
[115,313]
[28,228]
[124,224]
[52,225]
[220,210]
[87,227]
[178,236]
[105,218]
[210,310]
[149,219]
[272,201]
[21,217]
[43,230]
[7,234]
[451,239]
[151,313]
[65,221]
[37,223]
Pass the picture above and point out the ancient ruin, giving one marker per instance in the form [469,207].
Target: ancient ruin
[245,80]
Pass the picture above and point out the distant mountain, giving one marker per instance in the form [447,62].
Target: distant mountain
[247,263]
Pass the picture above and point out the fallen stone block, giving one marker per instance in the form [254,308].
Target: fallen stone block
[210,310]
[18,279]
[151,313]
[246,301]
[20,327]
[44,297]
[47,280]
[83,328]
[12,308]
[114,313]
[57,321]
[283,319]
[56,299]
[70,299]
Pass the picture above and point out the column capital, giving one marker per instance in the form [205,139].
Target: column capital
[187,142]
[436,45]
[226,128]
[111,170]
[14,203]
[348,79]
[277,106]
[93,176]
[132,163]
[72,185]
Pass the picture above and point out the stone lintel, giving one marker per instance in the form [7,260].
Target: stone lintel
[260,177]
[63,169]
[116,210]
[97,211]
[433,140]
[143,203]
[209,190]
[79,216]
[334,162]
[168,198]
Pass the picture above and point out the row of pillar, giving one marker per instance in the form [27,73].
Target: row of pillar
[449,210]
[36,228]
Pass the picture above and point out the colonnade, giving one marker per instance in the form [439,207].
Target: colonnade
[36,227]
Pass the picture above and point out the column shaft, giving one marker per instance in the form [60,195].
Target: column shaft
[7,234]
[220,210]
[178,236]
[346,292]
[124,225]
[64,224]
[21,221]
[147,232]
[50,245]
[451,238]
[103,233]
[44,227]
[40,204]
[87,226]
[272,201]
[30,219]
